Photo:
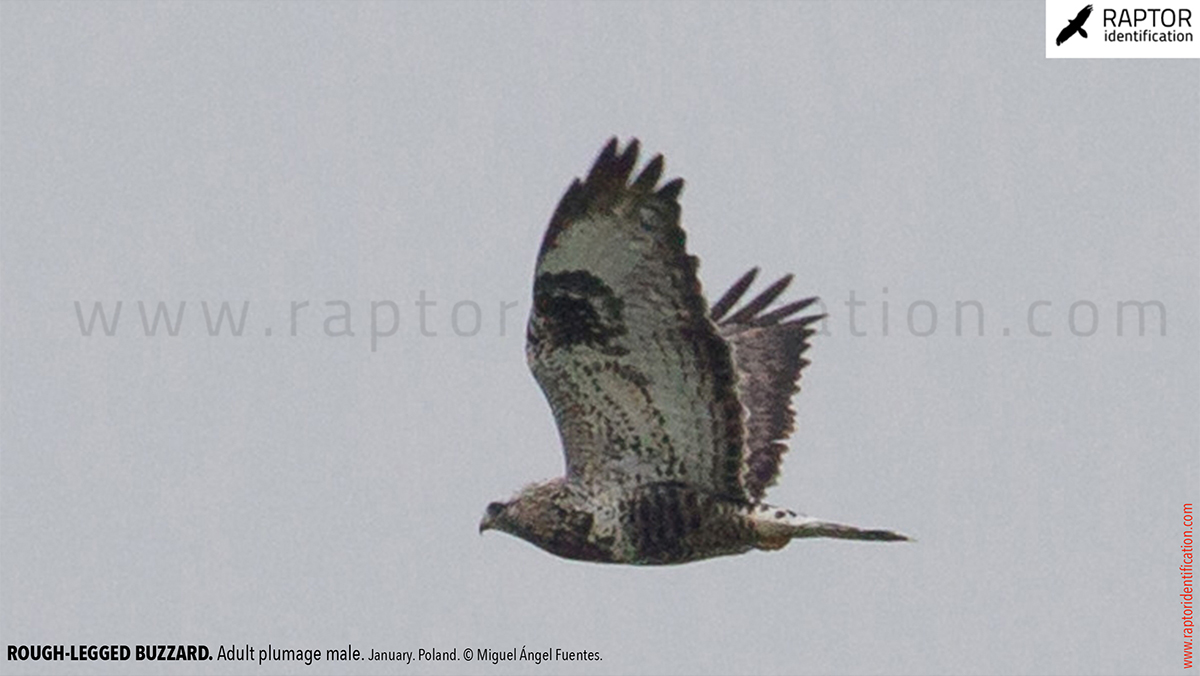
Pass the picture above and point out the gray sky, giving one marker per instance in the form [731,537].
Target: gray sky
[308,492]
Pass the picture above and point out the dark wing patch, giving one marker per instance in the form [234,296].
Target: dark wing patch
[768,354]
[641,385]
[578,308]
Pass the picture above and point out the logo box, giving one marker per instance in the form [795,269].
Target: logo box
[1141,29]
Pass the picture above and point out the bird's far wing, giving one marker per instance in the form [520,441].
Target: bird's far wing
[641,385]
[768,349]
[1082,16]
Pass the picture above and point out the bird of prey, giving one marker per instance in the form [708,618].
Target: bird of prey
[1075,26]
[672,414]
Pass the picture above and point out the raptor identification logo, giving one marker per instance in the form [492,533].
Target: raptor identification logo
[1123,29]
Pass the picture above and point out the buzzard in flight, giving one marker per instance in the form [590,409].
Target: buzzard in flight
[672,413]
[1075,26]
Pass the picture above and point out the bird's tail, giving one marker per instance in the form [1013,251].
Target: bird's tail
[1083,32]
[777,527]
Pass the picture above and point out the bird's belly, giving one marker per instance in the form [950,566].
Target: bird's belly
[666,523]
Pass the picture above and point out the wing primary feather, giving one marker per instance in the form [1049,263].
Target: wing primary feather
[763,300]
[671,190]
[774,316]
[731,297]
[603,164]
[646,180]
[806,321]
[625,161]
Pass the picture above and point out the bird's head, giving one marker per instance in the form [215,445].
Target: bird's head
[531,511]
[550,516]
[494,517]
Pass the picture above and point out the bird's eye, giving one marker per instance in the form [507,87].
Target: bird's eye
[495,508]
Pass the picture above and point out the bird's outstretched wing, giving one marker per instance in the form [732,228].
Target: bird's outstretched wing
[641,386]
[1081,18]
[768,349]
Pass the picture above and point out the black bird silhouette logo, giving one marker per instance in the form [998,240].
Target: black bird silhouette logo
[1076,26]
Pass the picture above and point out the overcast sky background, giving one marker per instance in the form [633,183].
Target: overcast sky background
[306,491]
